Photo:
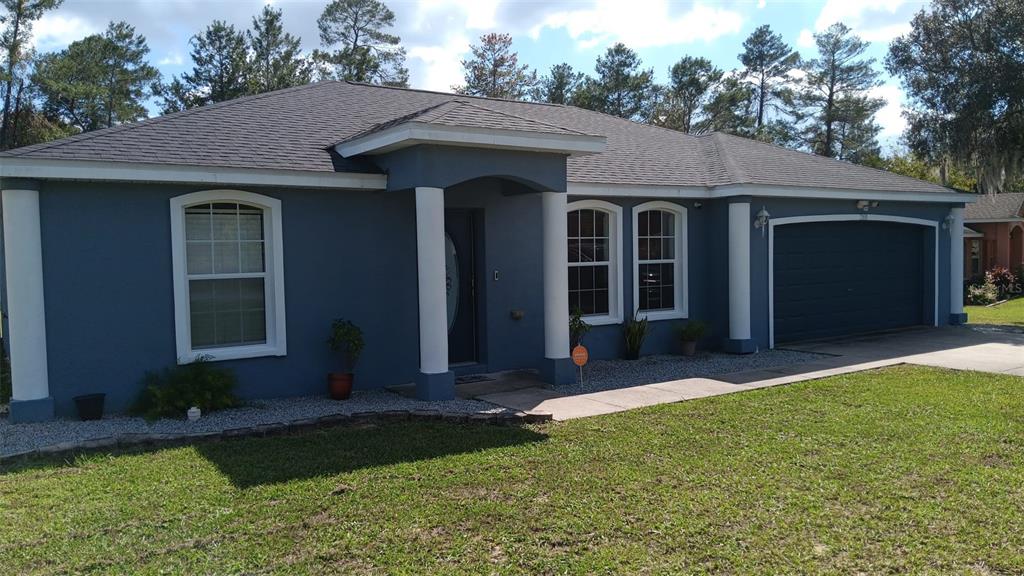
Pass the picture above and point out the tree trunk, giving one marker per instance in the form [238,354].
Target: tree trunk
[12,61]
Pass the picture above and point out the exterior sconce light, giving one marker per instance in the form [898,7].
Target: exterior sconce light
[698,205]
[761,221]
[865,205]
[947,222]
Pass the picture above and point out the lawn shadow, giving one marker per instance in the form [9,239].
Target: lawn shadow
[263,461]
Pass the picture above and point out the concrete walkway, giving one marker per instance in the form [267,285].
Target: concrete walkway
[962,348]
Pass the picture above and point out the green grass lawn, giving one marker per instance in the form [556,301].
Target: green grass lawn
[899,470]
[1008,313]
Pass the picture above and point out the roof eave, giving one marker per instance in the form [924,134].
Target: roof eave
[733,190]
[413,133]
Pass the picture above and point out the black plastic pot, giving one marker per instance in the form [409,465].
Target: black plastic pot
[90,406]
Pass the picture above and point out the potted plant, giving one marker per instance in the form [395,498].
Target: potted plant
[578,328]
[634,330]
[90,406]
[689,334]
[347,339]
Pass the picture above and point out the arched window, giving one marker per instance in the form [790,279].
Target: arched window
[659,260]
[228,280]
[595,260]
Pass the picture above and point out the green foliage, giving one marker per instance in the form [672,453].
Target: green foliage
[578,328]
[961,65]
[347,338]
[833,108]
[690,83]
[365,51]
[982,294]
[495,72]
[634,332]
[171,392]
[220,64]
[276,60]
[909,164]
[692,331]
[730,108]
[5,377]
[622,88]
[16,45]
[767,61]
[1005,281]
[559,86]
[98,81]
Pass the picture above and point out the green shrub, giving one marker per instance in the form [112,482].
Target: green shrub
[982,294]
[172,391]
[347,338]
[692,331]
[5,377]
[634,331]
[578,328]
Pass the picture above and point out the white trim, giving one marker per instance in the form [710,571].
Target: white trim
[431,281]
[26,308]
[556,276]
[841,218]
[101,171]
[615,285]
[276,344]
[956,261]
[681,264]
[971,233]
[412,133]
[991,220]
[731,190]
[739,271]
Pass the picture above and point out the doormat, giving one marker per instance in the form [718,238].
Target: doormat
[473,378]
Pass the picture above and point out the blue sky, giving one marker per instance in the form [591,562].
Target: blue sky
[437,33]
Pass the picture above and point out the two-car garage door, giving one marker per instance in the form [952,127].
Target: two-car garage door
[848,277]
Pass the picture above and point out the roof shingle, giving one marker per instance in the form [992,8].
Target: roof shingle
[996,207]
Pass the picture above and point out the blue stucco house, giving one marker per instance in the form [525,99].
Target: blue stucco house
[458,232]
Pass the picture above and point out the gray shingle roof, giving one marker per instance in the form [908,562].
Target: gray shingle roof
[294,129]
[996,206]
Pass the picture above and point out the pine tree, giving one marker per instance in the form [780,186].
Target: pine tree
[15,41]
[558,86]
[767,60]
[276,56]
[494,70]
[366,51]
[621,88]
[690,82]
[220,64]
[835,110]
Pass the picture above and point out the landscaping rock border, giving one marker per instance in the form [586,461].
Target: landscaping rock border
[133,439]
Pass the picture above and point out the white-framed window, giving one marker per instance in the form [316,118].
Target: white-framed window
[660,261]
[975,256]
[227,259]
[595,260]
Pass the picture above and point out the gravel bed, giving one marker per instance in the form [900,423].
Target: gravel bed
[612,374]
[20,438]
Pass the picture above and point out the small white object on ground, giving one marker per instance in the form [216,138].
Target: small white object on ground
[194,413]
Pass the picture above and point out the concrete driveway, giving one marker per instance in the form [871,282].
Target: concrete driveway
[962,347]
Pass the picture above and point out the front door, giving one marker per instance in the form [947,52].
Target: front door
[460,268]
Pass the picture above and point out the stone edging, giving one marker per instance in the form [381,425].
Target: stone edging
[281,428]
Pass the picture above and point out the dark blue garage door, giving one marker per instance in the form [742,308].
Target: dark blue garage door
[838,278]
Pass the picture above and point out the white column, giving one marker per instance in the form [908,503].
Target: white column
[556,277]
[739,270]
[431,274]
[26,314]
[956,261]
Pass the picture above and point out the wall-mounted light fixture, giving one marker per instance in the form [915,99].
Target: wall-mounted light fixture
[866,205]
[698,205]
[947,222]
[761,220]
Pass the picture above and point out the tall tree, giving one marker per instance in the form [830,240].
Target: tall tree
[962,65]
[622,88]
[495,72]
[366,51]
[835,111]
[559,85]
[690,82]
[15,41]
[276,56]
[767,61]
[729,108]
[220,65]
[98,81]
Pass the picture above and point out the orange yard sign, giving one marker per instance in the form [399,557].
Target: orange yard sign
[580,355]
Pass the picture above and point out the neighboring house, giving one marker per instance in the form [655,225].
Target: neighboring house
[458,232]
[994,233]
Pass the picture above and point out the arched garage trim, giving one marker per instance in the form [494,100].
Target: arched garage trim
[842,218]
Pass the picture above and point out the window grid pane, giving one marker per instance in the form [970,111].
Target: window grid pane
[590,254]
[656,257]
[226,239]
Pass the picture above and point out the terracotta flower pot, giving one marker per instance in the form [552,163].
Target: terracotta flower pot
[689,347]
[339,385]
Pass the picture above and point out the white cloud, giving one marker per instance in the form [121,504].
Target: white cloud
[54,31]
[762,3]
[806,39]
[478,14]
[173,59]
[867,18]
[890,117]
[641,23]
[438,67]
